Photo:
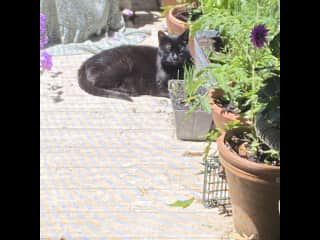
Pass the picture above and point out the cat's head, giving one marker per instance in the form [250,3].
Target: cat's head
[173,50]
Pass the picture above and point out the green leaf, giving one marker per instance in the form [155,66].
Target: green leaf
[182,204]
[275,45]
[267,122]
[232,124]
[204,103]
[213,134]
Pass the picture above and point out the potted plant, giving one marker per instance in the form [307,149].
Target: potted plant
[240,70]
[250,154]
[248,77]
[191,110]
[230,100]
[211,29]
[213,34]
[254,188]
[231,91]
[251,159]
[179,18]
[221,50]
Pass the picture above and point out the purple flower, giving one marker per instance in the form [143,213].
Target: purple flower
[127,12]
[259,35]
[45,60]
[43,36]
[43,41]
[115,38]
[42,23]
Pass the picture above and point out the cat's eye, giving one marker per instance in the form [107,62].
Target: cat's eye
[168,47]
[181,48]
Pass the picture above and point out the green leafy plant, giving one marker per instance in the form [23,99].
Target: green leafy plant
[213,134]
[211,137]
[267,122]
[263,140]
[189,93]
[275,45]
[263,100]
[240,74]
[192,97]
[183,204]
[230,18]
[234,6]
[193,8]
[268,116]
[248,73]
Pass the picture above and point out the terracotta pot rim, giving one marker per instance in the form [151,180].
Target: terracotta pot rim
[226,114]
[257,169]
[176,20]
[214,93]
[168,2]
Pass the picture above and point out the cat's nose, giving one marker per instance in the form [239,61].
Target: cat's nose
[175,57]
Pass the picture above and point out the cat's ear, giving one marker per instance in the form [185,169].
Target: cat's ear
[185,36]
[162,36]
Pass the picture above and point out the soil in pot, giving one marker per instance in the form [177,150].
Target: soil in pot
[242,144]
[228,106]
[185,15]
[254,187]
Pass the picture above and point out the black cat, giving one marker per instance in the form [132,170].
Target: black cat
[127,71]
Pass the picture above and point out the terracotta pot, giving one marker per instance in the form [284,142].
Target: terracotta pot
[221,116]
[168,2]
[176,26]
[254,192]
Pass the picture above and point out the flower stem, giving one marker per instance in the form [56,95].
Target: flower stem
[253,85]
[257,12]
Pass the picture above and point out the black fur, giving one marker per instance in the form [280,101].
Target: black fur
[127,71]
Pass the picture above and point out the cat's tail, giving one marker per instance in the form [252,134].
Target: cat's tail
[88,87]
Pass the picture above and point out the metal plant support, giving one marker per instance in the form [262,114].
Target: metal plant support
[215,188]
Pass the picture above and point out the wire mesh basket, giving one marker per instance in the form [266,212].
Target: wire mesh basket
[215,187]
